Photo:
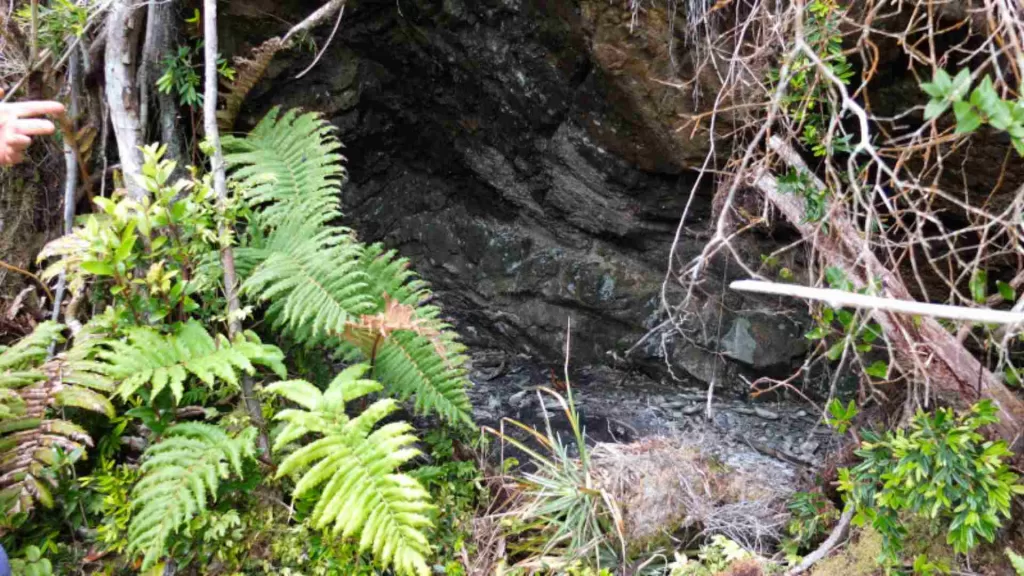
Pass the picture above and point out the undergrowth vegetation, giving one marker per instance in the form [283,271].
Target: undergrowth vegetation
[311,416]
[175,473]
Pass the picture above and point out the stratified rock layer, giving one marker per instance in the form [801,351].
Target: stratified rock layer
[524,154]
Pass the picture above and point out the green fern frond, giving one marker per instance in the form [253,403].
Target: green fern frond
[180,474]
[320,283]
[148,357]
[314,286]
[392,275]
[410,366]
[289,167]
[31,349]
[354,468]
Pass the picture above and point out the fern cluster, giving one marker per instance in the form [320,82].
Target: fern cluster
[320,286]
[354,468]
[321,282]
[180,474]
[30,384]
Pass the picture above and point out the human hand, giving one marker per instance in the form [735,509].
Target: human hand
[18,123]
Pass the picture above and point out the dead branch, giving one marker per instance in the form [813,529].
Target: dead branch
[924,349]
[839,299]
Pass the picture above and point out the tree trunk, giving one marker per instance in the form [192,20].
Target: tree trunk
[122,93]
[160,32]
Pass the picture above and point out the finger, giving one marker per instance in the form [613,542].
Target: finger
[26,109]
[15,157]
[33,127]
[19,141]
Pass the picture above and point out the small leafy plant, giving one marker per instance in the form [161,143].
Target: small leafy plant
[845,328]
[182,75]
[984,106]
[33,563]
[840,417]
[714,557]
[940,468]
[811,516]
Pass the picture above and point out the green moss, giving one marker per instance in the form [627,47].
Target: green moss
[859,558]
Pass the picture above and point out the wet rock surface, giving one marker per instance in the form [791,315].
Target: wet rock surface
[524,155]
[622,407]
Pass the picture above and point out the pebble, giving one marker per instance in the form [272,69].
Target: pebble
[766,414]
[673,404]
[521,399]
[744,410]
[691,410]
[801,414]
[809,447]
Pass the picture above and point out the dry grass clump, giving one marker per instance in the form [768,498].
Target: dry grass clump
[663,485]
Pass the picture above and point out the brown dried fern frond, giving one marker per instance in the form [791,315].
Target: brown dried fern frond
[29,435]
[248,72]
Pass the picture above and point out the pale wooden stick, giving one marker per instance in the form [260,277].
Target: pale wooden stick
[840,298]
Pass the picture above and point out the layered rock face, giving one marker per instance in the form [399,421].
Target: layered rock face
[525,155]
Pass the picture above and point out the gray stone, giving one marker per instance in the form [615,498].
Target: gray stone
[691,410]
[809,447]
[522,399]
[766,414]
[738,343]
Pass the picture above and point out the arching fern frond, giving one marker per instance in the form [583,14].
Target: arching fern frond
[411,366]
[354,468]
[289,167]
[148,357]
[181,473]
[321,284]
[315,286]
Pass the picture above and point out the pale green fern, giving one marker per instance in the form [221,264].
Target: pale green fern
[1017,561]
[165,361]
[354,469]
[181,473]
[320,282]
